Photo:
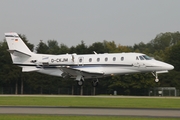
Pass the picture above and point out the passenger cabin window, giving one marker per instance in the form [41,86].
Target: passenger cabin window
[80,60]
[90,59]
[114,58]
[122,58]
[106,59]
[98,59]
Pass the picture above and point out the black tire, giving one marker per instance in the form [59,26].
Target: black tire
[80,83]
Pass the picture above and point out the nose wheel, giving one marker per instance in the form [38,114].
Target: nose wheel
[156,76]
[156,80]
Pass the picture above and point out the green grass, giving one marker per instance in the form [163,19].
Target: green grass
[78,101]
[90,102]
[54,117]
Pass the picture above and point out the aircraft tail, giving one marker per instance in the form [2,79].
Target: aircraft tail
[18,49]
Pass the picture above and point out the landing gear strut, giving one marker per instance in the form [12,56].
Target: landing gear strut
[95,82]
[156,76]
[80,80]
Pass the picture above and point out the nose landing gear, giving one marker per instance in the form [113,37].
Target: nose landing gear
[155,74]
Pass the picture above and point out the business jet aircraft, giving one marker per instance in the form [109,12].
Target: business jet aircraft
[80,67]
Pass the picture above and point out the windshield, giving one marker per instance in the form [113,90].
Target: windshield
[147,57]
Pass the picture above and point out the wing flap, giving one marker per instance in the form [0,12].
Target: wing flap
[29,69]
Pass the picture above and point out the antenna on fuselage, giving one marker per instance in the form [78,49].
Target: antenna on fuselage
[94,52]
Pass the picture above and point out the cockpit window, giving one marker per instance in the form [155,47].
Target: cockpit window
[147,57]
[141,57]
[144,57]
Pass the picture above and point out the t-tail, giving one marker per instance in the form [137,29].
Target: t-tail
[18,49]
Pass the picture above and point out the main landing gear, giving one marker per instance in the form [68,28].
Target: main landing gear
[80,82]
[156,76]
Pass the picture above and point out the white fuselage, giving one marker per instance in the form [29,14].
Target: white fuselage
[103,64]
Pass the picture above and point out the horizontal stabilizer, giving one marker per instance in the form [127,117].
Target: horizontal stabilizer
[19,53]
[29,69]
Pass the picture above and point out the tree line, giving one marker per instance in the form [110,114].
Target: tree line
[164,47]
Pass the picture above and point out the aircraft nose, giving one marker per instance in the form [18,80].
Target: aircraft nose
[169,66]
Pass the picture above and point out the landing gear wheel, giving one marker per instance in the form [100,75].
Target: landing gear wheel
[156,80]
[80,83]
[156,76]
[95,82]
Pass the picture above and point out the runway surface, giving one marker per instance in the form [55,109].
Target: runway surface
[175,113]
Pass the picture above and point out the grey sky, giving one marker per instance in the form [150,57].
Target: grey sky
[69,21]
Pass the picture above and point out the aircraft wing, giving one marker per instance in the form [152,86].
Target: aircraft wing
[81,71]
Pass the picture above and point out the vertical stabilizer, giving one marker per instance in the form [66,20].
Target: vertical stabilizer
[15,43]
[18,49]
